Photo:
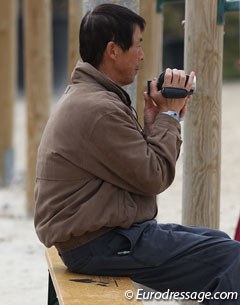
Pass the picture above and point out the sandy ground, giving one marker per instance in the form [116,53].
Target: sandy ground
[24,274]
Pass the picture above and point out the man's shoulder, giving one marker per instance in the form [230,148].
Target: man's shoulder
[97,99]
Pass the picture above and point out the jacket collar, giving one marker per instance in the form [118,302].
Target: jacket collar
[86,68]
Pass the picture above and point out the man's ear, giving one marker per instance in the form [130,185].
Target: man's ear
[112,50]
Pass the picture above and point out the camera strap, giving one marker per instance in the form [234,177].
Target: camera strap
[172,92]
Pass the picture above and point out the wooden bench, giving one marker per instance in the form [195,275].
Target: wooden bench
[66,288]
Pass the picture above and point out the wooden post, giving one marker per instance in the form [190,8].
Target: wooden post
[38,80]
[202,128]
[74,19]
[8,26]
[152,47]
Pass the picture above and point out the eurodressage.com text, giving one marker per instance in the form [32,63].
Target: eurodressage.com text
[179,296]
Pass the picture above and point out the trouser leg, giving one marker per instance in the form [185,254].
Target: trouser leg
[162,257]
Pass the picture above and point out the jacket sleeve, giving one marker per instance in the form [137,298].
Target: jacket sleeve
[144,166]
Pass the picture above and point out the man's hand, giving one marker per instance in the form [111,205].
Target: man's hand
[173,78]
[150,112]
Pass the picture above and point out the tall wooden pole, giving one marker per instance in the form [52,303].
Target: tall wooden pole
[8,26]
[74,18]
[202,127]
[152,47]
[38,81]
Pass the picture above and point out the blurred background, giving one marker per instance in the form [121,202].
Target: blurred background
[33,94]
[173,42]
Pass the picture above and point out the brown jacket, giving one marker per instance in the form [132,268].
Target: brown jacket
[95,170]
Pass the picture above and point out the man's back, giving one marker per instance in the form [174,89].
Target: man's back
[78,168]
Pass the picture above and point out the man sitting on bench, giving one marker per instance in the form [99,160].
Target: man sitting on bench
[98,172]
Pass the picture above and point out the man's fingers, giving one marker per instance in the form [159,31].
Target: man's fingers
[175,77]
[167,78]
[148,101]
[153,86]
[182,78]
[190,81]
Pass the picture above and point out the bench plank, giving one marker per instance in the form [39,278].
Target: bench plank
[79,289]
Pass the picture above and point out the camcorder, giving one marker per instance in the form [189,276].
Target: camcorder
[172,92]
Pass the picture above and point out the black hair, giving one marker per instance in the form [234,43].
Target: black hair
[106,22]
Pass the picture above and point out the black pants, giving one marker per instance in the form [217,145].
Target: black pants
[165,257]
